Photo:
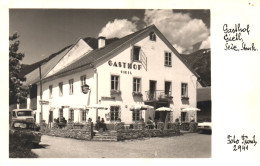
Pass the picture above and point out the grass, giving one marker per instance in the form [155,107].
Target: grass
[18,149]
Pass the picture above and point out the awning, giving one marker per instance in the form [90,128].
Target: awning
[166,109]
[140,107]
[190,109]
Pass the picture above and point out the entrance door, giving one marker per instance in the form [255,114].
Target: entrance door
[183,116]
[161,115]
[152,89]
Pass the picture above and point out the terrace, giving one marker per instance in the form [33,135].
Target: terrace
[158,95]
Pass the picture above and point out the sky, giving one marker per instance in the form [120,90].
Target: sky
[46,31]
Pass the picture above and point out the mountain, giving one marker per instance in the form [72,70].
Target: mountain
[200,62]
[25,69]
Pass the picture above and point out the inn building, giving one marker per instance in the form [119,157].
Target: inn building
[130,77]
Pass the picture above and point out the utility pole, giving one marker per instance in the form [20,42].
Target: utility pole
[41,117]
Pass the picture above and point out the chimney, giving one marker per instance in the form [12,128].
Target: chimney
[101,41]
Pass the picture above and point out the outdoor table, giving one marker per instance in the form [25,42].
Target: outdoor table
[127,126]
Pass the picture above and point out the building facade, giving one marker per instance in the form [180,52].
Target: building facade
[130,77]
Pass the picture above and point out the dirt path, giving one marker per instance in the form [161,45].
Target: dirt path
[186,146]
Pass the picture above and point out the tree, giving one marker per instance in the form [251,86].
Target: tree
[17,92]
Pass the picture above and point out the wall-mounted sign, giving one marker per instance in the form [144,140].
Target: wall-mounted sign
[85,88]
[43,102]
[124,65]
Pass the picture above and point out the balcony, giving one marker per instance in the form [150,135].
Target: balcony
[158,95]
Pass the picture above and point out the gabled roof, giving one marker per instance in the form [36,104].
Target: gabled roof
[97,55]
[34,76]
[25,69]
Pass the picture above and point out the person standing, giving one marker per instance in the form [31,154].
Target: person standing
[98,123]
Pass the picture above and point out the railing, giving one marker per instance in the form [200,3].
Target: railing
[158,95]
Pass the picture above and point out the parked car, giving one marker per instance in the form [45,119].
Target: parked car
[204,127]
[25,132]
[23,114]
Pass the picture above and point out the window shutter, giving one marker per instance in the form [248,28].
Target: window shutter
[132,53]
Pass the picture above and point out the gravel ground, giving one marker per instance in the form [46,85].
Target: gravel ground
[190,145]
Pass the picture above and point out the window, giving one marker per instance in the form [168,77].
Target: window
[14,114]
[137,85]
[50,91]
[114,82]
[83,80]
[60,113]
[71,115]
[183,116]
[167,87]
[136,115]
[60,89]
[84,115]
[168,59]
[24,113]
[184,90]
[136,52]
[114,113]
[50,116]
[152,36]
[71,86]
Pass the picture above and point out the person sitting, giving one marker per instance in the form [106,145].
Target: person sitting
[150,123]
[65,121]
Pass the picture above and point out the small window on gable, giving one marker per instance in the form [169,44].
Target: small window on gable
[152,36]
[50,91]
[168,59]
[136,53]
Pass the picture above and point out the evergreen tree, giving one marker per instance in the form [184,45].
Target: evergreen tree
[17,92]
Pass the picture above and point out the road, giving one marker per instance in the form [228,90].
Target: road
[190,145]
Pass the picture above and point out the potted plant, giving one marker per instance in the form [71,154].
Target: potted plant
[184,97]
[115,92]
[137,94]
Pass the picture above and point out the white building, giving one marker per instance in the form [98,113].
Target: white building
[139,69]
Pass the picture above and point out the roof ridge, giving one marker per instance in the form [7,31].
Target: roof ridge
[133,34]
[113,46]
